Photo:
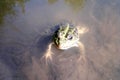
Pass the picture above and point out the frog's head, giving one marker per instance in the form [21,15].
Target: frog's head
[66,37]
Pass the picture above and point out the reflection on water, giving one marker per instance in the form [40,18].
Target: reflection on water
[74,4]
[52,1]
[7,7]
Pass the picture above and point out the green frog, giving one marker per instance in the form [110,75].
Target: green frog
[66,37]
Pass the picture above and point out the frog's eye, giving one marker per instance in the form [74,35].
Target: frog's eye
[69,37]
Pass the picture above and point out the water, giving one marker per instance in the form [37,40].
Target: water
[26,27]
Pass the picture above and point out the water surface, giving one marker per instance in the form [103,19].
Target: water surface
[26,27]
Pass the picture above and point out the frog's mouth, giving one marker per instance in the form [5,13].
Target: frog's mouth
[66,45]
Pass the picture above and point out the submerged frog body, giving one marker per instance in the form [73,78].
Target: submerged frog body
[66,37]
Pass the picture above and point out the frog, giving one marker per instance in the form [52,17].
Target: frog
[66,37]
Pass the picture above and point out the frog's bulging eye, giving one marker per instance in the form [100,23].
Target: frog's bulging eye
[69,37]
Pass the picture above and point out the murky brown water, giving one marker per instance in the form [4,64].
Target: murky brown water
[26,27]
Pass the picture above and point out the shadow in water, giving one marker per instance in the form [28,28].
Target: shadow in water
[42,41]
